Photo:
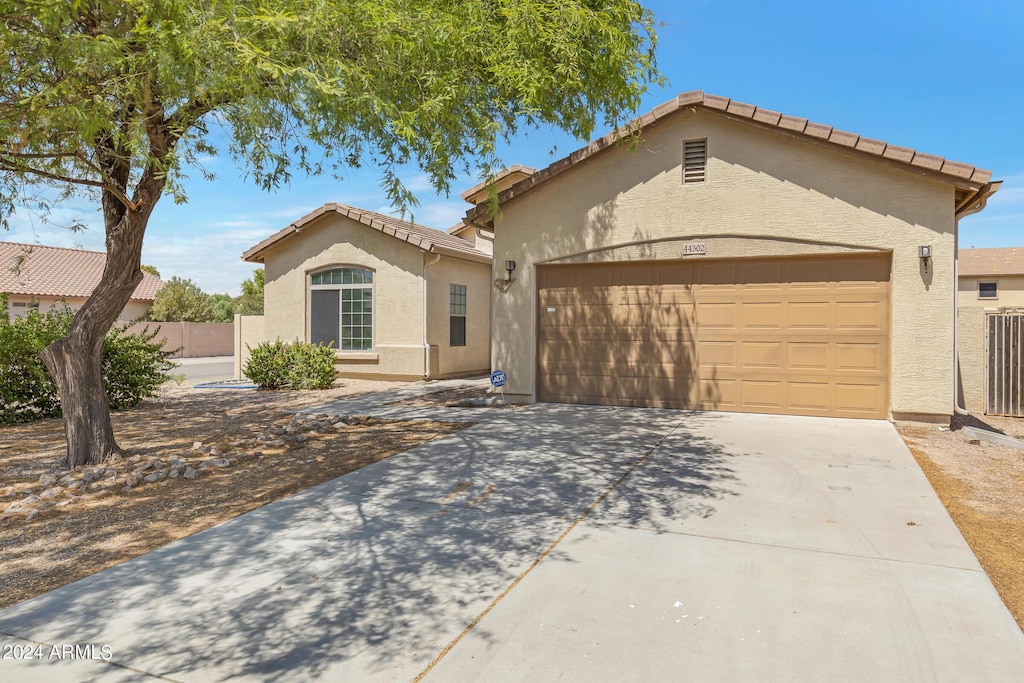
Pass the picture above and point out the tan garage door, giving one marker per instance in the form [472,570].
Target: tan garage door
[799,336]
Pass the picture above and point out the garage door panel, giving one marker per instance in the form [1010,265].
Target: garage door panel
[868,356]
[795,336]
[856,400]
[760,355]
[810,355]
[769,315]
[861,315]
[721,315]
[810,315]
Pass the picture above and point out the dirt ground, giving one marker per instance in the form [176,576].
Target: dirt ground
[98,531]
[982,487]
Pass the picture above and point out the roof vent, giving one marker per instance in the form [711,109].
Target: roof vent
[695,161]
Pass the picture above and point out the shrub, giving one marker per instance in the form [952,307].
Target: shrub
[268,365]
[273,365]
[133,366]
[310,366]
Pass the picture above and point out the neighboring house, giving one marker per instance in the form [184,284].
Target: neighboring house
[738,260]
[40,277]
[397,300]
[990,281]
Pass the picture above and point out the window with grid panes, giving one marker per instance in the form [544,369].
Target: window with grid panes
[457,315]
[341,309]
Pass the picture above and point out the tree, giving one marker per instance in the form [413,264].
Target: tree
[223,308]
[250,301]
[115,99]
[182,301]
[149,269]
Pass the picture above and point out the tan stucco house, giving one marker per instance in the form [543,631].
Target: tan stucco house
[738,260]
[991,282]
[40,277]
[395,299]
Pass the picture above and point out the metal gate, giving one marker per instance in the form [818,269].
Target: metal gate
[1004,374]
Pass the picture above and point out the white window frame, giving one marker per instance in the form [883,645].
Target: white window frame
[339,287]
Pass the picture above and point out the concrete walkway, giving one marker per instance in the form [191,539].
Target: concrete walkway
[562,542]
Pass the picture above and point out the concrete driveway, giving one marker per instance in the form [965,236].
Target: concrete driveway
[561,542]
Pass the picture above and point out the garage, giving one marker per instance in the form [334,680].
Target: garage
[797,336]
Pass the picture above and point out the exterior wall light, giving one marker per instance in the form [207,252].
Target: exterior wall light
[503,285]
[925,252]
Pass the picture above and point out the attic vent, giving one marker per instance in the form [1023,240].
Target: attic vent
[695,161]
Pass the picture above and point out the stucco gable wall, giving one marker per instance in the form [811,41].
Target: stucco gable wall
[398,290]
[795,196]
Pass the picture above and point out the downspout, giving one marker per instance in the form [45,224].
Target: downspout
[984,193]
[426,343]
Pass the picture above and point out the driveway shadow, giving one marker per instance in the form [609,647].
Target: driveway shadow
[371,575]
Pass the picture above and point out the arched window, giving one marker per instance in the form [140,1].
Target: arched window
[341,308]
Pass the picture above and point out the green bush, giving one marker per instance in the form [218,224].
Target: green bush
[298,365]
[133,366]
[268,365]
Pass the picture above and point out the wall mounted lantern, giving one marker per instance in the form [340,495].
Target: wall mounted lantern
[503,285]
[925,252]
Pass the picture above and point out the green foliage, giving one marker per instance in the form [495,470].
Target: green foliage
[268,365]
[223,308]
[149,269]
[310,366]
[5,311]
[250,301]
[133,366]
[181,300]
[305,85]
[273,365]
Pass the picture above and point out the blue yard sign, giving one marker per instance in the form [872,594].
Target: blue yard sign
[498,378]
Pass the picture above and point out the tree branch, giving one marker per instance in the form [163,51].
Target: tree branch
[25,168]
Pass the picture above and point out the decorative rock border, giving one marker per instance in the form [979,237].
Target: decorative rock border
[56,492]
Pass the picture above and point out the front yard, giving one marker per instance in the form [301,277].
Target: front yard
[194,458]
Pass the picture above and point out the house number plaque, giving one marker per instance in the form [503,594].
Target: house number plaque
[695,249]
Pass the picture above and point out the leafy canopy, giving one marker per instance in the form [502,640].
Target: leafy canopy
[181,300]
[250,301]
[100,94]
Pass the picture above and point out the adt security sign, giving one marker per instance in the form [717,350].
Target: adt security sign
[498,378]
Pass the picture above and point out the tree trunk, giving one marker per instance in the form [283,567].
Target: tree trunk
[76,361]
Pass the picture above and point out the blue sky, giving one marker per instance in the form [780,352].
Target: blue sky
[942,77]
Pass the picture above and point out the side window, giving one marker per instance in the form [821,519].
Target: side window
[988,290]
[457,315]
[341,308]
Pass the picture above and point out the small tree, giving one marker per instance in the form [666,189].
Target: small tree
[149,269]
[182,301]
[113,99]
[250,301]
[223,308]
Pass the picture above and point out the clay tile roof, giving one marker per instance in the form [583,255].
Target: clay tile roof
[1008,261]
[504,173]
[968,179]
[34,270]
[422,237]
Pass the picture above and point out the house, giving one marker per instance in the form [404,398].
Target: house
[396,300]
[738,260]
[39,277]
[990,282]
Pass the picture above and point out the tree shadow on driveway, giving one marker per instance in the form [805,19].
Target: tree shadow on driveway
[370,575]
